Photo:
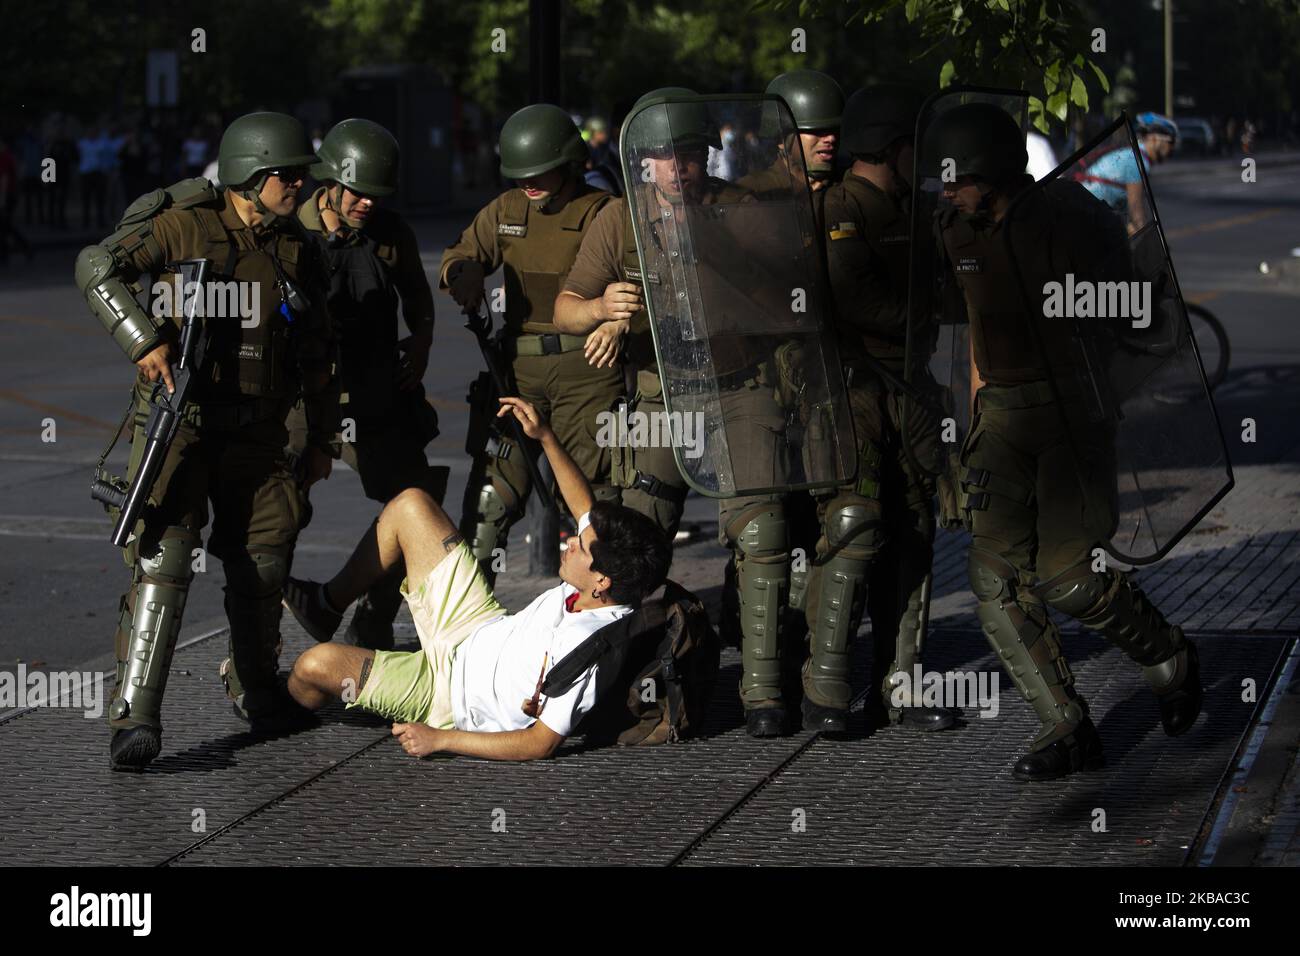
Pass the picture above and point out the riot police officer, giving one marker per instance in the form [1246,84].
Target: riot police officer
[533,232]
[817,103]
[373,262]
[761,572]
[230,448]
[1039,469]
[602,299]
[877,535]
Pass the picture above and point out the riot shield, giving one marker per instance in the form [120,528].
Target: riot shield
[736,297]
[1099,286]
[938,341]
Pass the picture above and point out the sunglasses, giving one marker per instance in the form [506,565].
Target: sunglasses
[289,174]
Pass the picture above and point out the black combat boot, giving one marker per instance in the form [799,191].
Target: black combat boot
[134,748]
[831,721]
[765,721]
[1180,707]
[1080,750]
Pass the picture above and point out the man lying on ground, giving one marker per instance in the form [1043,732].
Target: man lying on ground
[475,686]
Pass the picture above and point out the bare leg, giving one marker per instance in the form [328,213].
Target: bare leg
[329,672]
[411,528]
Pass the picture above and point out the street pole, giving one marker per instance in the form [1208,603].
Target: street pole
[1169,57]
[544,85]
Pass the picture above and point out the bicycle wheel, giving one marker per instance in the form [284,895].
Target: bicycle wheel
[1211,343]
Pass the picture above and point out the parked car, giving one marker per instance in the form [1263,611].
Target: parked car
[1195,135]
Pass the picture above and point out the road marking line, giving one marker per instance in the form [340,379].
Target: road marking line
[51,323]
[11,395]
[1216,224]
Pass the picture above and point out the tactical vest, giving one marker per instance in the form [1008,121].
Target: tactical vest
[245,358]
[538,251]
[1005,330]
[363,304]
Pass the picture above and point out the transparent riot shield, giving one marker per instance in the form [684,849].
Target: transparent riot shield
[938,340]
[1104,303]
[736,297]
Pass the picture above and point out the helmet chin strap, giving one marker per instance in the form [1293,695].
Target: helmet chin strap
[254,195]
[544,205]
[337,209]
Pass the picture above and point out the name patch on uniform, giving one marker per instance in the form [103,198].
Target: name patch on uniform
[506,229]
[634,275]
[251,352]
[972,265]
[844,230]
[902,237]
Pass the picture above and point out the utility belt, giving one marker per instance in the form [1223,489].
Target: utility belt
[623,470]
[231,415]
[550,343]
[748,377]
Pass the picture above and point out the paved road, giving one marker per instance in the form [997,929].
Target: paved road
[60,579]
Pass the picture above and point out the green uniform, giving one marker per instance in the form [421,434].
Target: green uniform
[647,477]
[1037,510]
[384,429]
[535,249]
[887,512]
[230,448]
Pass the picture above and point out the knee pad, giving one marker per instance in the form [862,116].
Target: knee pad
[259,575]
[853,528]
[992,577]
[763,535]
[1078,591]
[491,516]
[172,563]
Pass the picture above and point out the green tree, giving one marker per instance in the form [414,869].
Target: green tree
[1046,46]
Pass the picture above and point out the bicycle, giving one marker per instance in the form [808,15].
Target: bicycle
[1214,349]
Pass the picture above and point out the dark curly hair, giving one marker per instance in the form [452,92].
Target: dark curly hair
[630,550]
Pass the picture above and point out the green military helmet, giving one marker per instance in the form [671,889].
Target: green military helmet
[678,125]
[875,116]
[537,139]
[981,139]
[374,156]
[814,98]
[258,142]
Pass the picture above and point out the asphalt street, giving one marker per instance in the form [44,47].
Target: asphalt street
[64,386]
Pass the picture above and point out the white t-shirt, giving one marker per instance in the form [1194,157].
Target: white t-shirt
[496,669]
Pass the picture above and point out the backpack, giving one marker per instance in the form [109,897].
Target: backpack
[657,670]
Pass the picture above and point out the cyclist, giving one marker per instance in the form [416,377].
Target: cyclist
[1113,176]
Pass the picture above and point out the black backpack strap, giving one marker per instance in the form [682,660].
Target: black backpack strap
[676,627]
[569,669]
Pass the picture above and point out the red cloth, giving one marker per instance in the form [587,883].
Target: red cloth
[570,601]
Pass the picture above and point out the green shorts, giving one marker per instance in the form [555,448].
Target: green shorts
[415,686]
